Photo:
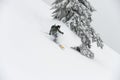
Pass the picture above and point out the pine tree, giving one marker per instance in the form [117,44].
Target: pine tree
[76,14]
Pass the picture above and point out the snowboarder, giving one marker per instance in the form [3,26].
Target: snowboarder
[54,31]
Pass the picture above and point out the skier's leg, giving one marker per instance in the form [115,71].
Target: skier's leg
[55,38]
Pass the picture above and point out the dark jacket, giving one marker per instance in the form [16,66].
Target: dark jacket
[54,29]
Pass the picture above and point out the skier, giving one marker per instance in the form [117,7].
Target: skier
[54,31]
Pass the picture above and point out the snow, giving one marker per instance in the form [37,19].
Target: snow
[26,53]
[106,20]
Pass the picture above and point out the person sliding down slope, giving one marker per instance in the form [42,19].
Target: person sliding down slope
[54,32]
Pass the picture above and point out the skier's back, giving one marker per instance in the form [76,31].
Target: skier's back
[54,31]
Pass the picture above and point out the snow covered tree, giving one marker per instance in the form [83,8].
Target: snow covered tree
[77,15]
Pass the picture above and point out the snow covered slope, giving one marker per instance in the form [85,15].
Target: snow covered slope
[106,20]
[27,54]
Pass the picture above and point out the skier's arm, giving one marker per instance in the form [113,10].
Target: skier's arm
[60,31]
